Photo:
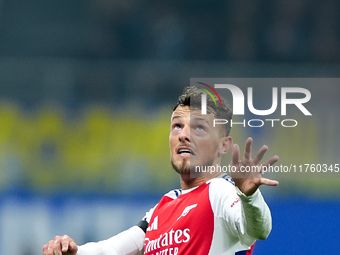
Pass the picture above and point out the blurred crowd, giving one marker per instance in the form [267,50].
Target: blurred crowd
[232,30]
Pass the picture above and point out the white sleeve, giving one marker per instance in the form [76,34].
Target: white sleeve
[256,215]
[128,242]
[247,217]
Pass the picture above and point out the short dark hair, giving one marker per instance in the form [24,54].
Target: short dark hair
[192,97]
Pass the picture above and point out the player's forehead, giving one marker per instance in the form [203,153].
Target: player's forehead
[181,112]
[192,114]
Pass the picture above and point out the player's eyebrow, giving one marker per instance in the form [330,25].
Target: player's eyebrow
[175,117]
[201,119]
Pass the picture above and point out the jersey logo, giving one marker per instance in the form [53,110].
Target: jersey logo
[154,225]
[186,210]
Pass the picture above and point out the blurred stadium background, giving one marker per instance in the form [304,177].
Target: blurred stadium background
[86,94]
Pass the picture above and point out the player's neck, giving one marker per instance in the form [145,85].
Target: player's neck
[188,183]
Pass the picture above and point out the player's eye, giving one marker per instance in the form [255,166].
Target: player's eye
[177,126]
[200,127]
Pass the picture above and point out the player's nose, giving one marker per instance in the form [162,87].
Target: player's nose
[184,136]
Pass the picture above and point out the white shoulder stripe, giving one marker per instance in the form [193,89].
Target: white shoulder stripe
[174,193]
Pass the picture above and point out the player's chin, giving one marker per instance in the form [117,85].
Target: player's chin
[181,166]
[179,159]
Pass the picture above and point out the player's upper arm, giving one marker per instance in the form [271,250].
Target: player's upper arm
[247,217]
[129,242]
[225,203]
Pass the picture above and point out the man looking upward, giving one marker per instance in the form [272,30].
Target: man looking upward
[208,215]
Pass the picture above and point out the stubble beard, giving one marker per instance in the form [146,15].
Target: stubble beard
[183,168]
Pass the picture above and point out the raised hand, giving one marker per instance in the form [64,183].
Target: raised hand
[248,175]
[60,245]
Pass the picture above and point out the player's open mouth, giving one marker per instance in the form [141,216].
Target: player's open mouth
[185,151]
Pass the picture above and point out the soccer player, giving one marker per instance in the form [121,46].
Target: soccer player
[208,215]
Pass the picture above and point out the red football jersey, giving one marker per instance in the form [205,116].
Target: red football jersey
[205,220]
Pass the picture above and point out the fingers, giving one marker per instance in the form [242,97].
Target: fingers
[247,148]
[271,161]
[247,154]
[73,248]
[49,248]
[45,247]
[260,154]
[65,241]
[59,245]
[235,154]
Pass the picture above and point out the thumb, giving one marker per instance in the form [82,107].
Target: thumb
[268,182]
[71,249]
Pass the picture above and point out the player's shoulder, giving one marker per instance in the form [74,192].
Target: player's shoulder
[223,180]
[222,185]
[173,194]
[223,195]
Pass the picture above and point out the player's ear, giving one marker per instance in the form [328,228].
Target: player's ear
[226,143]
